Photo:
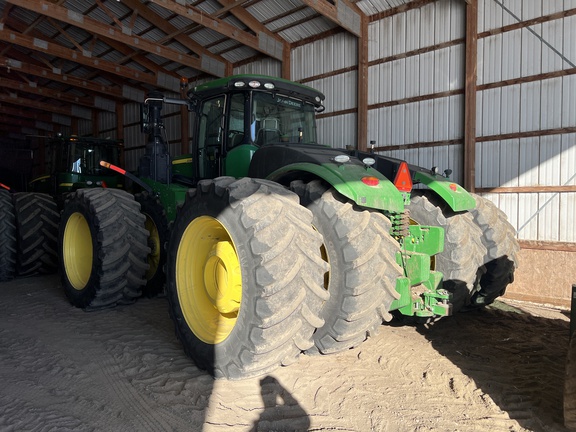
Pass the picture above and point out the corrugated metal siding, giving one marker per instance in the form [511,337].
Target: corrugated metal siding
[545,104]
[402,122]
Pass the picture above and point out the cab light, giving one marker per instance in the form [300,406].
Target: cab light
[371,181]
[341,159]
[254,84]
[269,86]
[239,84]
[403,179]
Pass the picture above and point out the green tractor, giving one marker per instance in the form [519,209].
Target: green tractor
[29,227]
[279,245]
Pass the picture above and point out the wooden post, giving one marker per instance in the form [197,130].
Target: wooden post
[120,129]
[362,120]
[470,95]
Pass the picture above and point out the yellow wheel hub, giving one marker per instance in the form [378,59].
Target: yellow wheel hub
[208,280]
[154,244]
[77,251]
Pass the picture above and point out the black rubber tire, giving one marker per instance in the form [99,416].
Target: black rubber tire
[113,246]
[361,253]
[500,259]
[281,270]
[461,261]
[7,237]
[157,225]
[37,220]
[570,387]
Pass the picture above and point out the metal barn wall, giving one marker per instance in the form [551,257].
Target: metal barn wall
[329,65]
[416,80]
[526,115]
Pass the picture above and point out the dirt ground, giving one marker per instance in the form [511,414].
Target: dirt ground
[61,369]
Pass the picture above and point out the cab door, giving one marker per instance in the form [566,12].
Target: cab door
[211,137]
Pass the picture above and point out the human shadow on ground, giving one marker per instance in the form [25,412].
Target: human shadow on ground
[282,412]
[516,358]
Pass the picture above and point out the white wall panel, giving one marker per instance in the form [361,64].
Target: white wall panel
[568,161]
[568,100]
[531,51]
[509,163]
[530,100]
[511,109]
[567,217]
[529,159]
[268,66]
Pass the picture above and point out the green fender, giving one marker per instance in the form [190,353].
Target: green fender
[347,180]
[455,195]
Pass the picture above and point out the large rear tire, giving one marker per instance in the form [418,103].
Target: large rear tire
[103,250]
[37,219]
[244,277]
[157,226]
[500,260]
[362,280]
[7,237]
[461,261]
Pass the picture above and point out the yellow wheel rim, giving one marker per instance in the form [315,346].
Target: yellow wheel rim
[208,280]
[154,244]
[77,251]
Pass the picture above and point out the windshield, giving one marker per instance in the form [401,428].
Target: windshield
[85,157]
[277,118]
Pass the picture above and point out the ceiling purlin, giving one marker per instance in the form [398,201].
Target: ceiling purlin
[47,93]
[229,5]
[177,34]
[66,35]
[341,13]
[71,55]
[97,27]
[257,42]
[252,23]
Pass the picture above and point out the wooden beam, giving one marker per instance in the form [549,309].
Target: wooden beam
[31,88]
[259,42]
[91,25]
[175,33]
[53,49]
[470,95]
[341,13]
[36,105]
[259,28]
[362,85]
[528,189]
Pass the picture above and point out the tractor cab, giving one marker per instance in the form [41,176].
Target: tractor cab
[236,116]
[73,162]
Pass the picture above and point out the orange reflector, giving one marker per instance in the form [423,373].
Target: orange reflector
[4,186]
[403,179]
[371,181]
[104,185]
[453,186]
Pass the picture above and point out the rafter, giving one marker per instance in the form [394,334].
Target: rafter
[62,14]
[343,13]
[33,88]
[261,42]
[72,55]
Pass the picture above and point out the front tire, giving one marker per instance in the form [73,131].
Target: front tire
[244,279]
[102,245]
[362,280]
[7,237]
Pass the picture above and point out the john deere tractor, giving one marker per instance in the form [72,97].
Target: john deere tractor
[279,245]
